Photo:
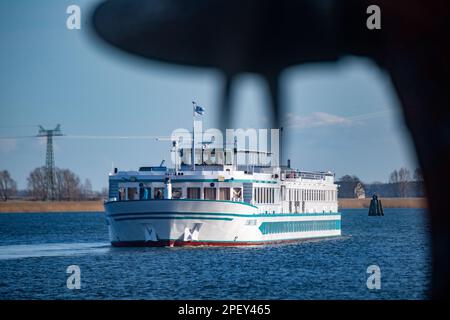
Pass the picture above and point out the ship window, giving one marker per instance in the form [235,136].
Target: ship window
[224,193]
[147,193]
[144,193]
[209,193]
[193,193]
[132,194]
[237,194]
[121,193]
[177,193]
[158,193]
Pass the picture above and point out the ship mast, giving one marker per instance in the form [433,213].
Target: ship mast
[193,137]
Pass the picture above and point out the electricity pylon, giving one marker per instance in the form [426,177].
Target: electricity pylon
[49,159]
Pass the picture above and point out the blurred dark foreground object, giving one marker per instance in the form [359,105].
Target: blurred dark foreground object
[267,36]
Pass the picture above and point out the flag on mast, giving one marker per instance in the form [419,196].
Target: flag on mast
[198,109]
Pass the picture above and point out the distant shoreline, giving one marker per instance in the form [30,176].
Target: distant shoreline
[420,203]
[18,206]
[24,206]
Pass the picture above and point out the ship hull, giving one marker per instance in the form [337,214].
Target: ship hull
[210,223]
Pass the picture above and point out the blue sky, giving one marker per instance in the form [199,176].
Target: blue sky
[342,117]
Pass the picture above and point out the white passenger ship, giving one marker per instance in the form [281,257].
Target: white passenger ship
[220,205]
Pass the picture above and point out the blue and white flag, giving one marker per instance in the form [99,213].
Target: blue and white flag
[199,110]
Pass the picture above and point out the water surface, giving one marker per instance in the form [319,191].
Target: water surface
[37,248]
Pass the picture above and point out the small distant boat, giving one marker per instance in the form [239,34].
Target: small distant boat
[220,205]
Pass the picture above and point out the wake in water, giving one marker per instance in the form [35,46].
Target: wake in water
[51,250]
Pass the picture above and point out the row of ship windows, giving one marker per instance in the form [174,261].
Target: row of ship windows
[299,226]
[260,195]
[209,193]
[309,195]
[265,195]
[271,195]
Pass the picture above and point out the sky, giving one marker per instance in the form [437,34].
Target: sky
[343,117]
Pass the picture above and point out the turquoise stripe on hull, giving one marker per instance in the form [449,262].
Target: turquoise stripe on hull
[299,226]
[172,218]
[265,215]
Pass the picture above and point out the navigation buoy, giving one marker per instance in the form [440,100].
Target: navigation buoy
[376,208]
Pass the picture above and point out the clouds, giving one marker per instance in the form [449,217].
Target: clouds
[316,119]
[324,119]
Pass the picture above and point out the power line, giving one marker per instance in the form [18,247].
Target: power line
[93,137]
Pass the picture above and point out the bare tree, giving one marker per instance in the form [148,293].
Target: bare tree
[8,187]
[400,179]
[37,184]
[418,174]
[393,177]
[67,184]
[71,189]
[404,177]
[104,193]
[87,189]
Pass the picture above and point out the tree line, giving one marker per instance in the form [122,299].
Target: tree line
[401,183]
[67,186]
